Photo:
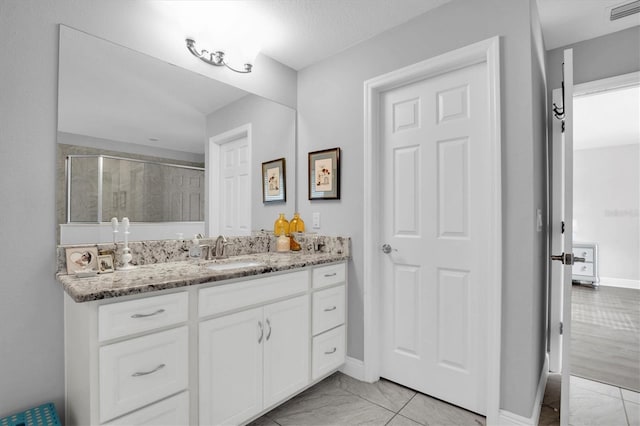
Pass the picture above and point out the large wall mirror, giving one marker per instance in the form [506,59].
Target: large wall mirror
[132,138]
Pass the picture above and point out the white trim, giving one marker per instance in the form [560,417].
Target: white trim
[354,368]
[620,282]
[212,181]
[484,51]
[509,418]
[605,84]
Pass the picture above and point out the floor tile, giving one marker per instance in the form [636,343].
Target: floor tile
[552,391]
[632,396]
[263,421]
[430,411]
[328,404]
[399,420]
[579,384]
[549,416]
[633,413]
[588,407]
[383,392]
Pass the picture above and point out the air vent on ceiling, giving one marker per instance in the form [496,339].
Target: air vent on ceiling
[625,10]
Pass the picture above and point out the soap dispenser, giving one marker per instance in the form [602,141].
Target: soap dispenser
[281,226]
[296,224]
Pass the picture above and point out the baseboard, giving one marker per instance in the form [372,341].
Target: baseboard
[508,418]
[354,368]
[620,282]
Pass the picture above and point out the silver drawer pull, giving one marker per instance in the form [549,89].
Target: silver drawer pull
[332,351]
[330,275]
[159,311]
[144,373]
[333,308]
[261,332]
[268,332]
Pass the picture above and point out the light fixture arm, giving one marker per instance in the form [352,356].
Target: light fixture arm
[214,58]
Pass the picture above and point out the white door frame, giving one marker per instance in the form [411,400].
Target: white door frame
[555,301]
[212,162]
[487,51]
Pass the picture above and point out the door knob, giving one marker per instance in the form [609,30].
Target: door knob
[386,249]
[567,258]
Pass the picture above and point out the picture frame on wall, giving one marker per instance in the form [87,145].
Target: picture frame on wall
[274,185]
[324,174]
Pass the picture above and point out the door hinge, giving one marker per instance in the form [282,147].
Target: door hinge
[562,230]
[561,328]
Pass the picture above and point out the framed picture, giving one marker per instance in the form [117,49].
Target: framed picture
[274,187]
[105,263]
[324,174]
[81,259]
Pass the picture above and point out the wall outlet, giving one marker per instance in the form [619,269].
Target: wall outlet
[316,220]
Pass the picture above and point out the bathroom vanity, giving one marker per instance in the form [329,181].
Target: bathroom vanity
[194,343]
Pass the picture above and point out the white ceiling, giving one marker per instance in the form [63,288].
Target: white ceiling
[570,21]
[607,119]
[297,33]
[127,101]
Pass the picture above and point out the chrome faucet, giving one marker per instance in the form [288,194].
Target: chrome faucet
[221,242]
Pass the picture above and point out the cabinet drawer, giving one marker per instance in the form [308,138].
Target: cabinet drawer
[582,269]
[135,316]
[586,252]
[172,411]
[228,297]
[328,352]
[140,371]
[328,275]
[328,309]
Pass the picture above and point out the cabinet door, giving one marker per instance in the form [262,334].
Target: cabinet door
[286,348]
[231,368]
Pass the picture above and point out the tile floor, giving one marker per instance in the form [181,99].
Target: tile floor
[591,403]
[341,400]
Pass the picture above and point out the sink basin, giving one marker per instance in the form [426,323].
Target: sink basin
[234,265]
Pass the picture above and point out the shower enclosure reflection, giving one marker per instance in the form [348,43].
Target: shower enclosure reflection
[101,187]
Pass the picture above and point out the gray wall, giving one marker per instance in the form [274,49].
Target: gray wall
[31,328]
[598,58]
[606,201]
[330,105]
[273,136]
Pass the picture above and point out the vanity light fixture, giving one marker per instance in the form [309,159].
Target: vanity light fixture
[214,58]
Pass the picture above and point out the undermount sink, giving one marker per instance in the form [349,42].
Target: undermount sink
[234,265]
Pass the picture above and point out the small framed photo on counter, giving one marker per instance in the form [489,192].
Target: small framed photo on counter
[324,174]
[81,259]
[105,263]
[274,186]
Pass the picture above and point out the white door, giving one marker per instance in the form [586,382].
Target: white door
[562,233]
[230,361]
[286,348]
[235,189]
[435,210]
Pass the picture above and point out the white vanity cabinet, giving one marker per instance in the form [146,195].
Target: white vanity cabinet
[209,354]
[126,356]
[255,358]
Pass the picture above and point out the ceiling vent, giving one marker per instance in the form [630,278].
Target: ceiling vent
[625,10]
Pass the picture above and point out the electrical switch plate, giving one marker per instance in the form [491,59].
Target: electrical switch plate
[316,220]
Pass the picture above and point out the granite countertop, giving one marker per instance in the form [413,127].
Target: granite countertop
[161,276]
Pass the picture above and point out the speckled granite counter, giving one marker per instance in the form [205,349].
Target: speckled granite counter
[161,276]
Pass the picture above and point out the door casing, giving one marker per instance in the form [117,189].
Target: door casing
[484,51]
[212,175]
